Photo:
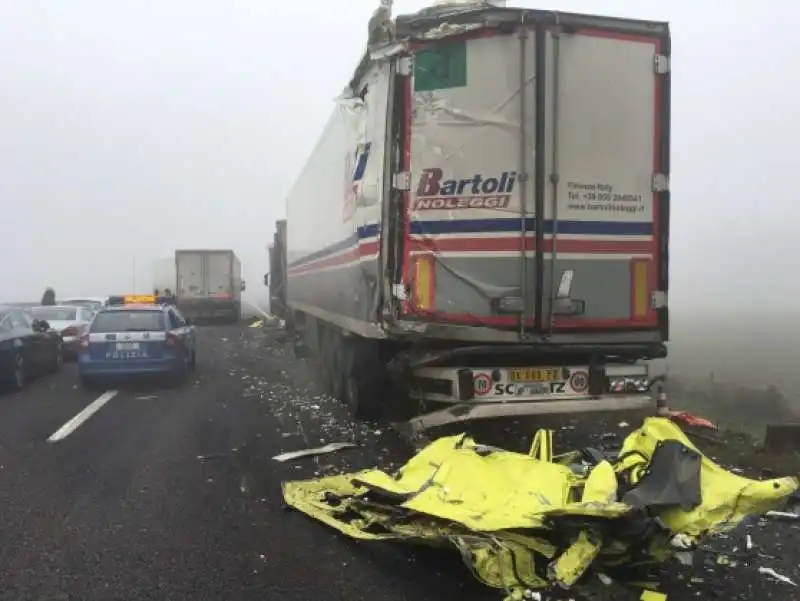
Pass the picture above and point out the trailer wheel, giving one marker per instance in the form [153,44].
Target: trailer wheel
[336,364]
[327,362]
[363,379]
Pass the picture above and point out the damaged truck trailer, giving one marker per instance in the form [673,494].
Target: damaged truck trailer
[484,221]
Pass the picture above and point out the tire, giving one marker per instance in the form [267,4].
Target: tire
[325,358]
[58,360]
[335,364]
[180,375]
[19,376]
[364,379]
[332,366]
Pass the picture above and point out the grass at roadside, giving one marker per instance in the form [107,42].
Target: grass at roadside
[744,449]
[742,417]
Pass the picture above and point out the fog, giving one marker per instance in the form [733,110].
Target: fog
[131,128]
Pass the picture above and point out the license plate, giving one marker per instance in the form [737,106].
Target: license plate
[127,346]
[535,374]
[122,355]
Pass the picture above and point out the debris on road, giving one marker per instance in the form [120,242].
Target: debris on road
[328,448]
[783,515]
[652,596]
[535,521]
[692,420]
[773,574]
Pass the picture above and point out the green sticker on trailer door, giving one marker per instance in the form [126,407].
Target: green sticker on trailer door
[441,67]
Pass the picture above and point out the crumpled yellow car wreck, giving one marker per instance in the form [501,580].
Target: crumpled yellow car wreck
[535,521]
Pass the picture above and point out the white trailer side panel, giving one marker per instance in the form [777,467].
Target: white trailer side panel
[333,211]
[237,277]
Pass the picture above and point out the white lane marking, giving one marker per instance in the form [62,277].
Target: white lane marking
[87,412]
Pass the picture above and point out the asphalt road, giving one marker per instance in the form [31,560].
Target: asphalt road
[171,493]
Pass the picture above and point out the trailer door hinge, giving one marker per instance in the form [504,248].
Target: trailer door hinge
[660,182]
[404,66]
[401,181]
[659,299]
[661,64]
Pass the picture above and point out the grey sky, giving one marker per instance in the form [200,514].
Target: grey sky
[132,127]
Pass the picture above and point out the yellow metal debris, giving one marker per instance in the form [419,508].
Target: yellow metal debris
[531,521]
[652,596]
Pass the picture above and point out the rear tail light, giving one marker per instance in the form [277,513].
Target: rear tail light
[628,379]
[71,331]
[423,283]
[640,288]
[84,345]
[173,341]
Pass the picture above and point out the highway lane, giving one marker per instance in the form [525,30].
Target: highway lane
[171,493]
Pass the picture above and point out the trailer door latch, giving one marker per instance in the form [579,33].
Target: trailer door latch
[660,182]
[661,64]
[659,300]
[401,181]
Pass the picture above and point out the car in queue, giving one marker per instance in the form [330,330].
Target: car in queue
[71,320]
[29,347]
[137,337]
[92,302]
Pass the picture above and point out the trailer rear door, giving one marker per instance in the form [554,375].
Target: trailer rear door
[219,273]
[469,220]
[605,158]
[191,274]
[533,161]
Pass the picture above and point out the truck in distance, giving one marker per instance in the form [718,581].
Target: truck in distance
[485,218]
[209,285]
[276,278]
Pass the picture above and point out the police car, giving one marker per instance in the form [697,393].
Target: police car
[137,336]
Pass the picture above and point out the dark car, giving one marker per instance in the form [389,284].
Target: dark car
[28,347]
